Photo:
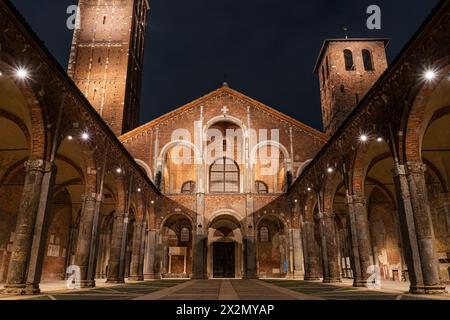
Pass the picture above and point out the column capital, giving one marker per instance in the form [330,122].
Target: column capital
[359,198]
[119,214]
[325,215]
[415,167]
[37,165]
[89,197]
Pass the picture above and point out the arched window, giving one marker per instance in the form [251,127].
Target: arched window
[261,187]
[367,58]
[264,234]
[224,176]
[348,58]
[323,76]
[184,235]
[188,187]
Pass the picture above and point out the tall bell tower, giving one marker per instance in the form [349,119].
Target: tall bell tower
[107,57]
[347,69]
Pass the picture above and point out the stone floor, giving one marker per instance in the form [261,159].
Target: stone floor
[227,289]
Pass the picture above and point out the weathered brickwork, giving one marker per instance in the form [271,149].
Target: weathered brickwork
[74,196]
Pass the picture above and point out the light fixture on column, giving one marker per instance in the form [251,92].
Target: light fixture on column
[1,73]
[139,189]
[119,170]
[70,138]
[152,202]
[309,189]
[85,136]
[295,200]
[330,170]
[379,138]
[430,74]
[363,137]
[22,73]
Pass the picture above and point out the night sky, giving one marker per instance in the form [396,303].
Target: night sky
[265,49]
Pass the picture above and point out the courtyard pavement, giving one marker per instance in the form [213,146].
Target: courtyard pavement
[227,289]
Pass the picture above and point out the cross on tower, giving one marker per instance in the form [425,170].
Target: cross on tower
[225,109]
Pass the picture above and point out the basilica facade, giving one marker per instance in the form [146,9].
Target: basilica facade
[224,186]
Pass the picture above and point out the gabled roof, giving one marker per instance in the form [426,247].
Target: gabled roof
[228,90]
[326,42]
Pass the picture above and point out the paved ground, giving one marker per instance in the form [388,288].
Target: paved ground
[227,290]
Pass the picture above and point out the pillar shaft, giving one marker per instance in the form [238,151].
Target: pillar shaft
[329,248]
[39,246]
[113,275]
[83,248]
[136,251]
[424,228]
[150,266]
[26,219]
[362,232]
[312,254]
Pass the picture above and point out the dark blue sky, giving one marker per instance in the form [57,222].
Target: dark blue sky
[266,48]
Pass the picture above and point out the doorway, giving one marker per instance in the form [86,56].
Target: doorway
[223,260]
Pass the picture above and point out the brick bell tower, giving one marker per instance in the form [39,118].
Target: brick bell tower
[347,69]
[107,56]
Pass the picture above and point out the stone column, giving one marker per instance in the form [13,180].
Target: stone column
[71,247]
[297,253]
[26,219]
[83,248]
[142,252]
[329,248]
[408,229]
[101,256]
[424,228]
[39,246]
[360,225]
[150,261]
[447,211]
[312,254]
[113,275]
[136,252]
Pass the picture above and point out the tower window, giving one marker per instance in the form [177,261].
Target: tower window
[342,88]
[357,98]
[348,58]
[264,234]
[104,19]
[261,187]
[367,59]
[323,76]
[188,187]
[328,66]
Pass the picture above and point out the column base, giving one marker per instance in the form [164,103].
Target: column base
[136,278]
[152,276]
[360,283]
[311,278]
[32,289]
[422,289]
[294,277]
[115,281]
[14,289]
[332,280]
[87,283]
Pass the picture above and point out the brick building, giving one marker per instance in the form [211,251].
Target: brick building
[223,186]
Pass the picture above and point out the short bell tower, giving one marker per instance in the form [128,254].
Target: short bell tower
[347,69]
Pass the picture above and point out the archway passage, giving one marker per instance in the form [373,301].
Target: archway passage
[224,260]
[225,247]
